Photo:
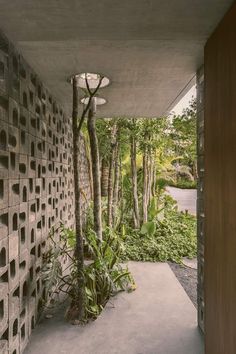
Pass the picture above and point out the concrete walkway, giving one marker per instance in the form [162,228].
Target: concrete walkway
[186,198]
[157,318]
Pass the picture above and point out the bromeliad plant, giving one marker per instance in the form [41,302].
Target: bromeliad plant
[103,275]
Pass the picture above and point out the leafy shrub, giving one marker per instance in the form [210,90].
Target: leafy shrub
[181,183]
[169,237]
[104,276]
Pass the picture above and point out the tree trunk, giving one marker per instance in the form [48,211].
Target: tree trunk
[121,195]
[133,153]
[145,182]
[97,205]
[154,178]
[79,251]
[110,178]
[150,177]
[104,178]
[116,182]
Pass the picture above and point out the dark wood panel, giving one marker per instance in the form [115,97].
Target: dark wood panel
[220,188]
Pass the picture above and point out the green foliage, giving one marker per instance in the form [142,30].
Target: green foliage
[171,237]
[103,274]
[148,228]
[184,133]
[181,183]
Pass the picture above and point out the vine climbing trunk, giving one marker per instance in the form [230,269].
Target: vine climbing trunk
[97,204]
[79,306]
[133,153]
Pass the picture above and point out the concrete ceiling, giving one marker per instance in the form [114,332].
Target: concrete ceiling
[150,49]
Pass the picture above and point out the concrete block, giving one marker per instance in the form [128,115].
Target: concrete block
[43,188]
[14,330]
[32,234]
[23,166]
[24,263]
[14,349]
[4,223]
[38,230]
[32,210]
[38,187]
[25,99]
[31,188]
[32,124]
[14,82]
[32,322]
[43,130]
[3,136]
[14,302]
[4,255]
[13,167]
[5,334]
[50,168]
[13,270]
[14,113]
[24,335]
[4,193]
[14,219]
[24,190]
[24,118]
[44,166]
[32,167]
[3,108]
[13,139]
[24,291]
[23,216]
[4,73]
[14,192]
[3,312]
[4,346]
[24,237]
[24,142]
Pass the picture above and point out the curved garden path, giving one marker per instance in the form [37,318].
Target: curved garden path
[186,198]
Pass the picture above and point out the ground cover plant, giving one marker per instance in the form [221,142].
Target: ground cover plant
[168,238]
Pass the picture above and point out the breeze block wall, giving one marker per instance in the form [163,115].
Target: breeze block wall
[200,198]
[36,191]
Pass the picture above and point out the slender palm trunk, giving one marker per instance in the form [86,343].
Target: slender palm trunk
[110,178]
[133,153]
[79,252]
[121,194]
[145,185]
[150,177]
[97,205]
[116,182]
[154,178]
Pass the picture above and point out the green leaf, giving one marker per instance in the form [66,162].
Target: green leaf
[148,228]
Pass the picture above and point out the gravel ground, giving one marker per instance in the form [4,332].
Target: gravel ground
[188,279]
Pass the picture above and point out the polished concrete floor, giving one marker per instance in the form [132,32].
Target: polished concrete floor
[157,318]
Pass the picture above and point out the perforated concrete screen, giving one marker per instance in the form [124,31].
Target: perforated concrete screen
[36,191]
